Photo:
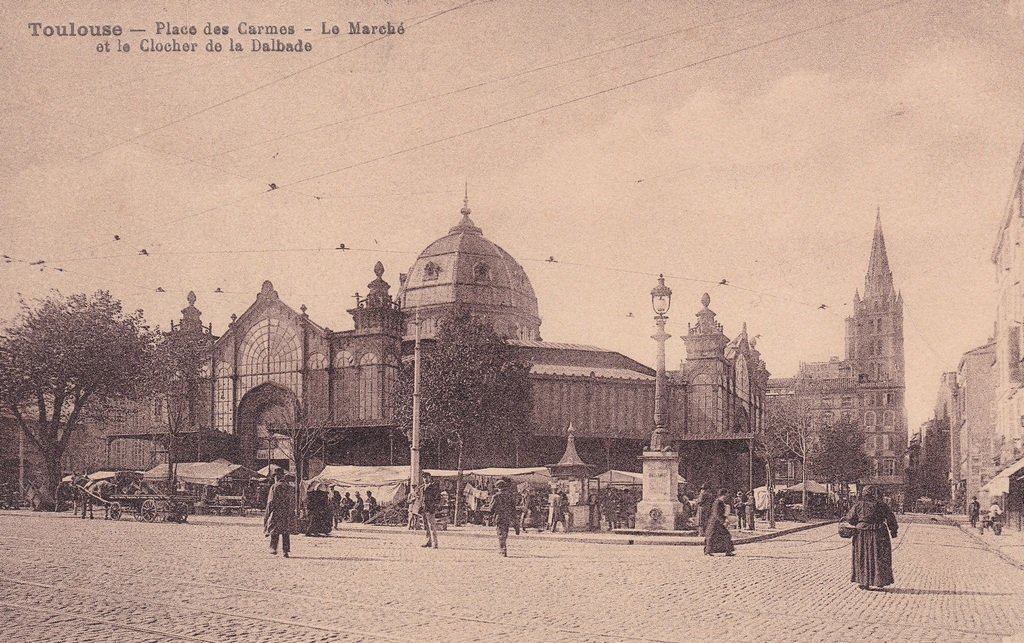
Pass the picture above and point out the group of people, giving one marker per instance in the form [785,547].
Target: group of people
[347,508]
[995,513]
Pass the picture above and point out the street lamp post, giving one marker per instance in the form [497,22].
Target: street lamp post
[414,457]
[661,301]
[660,508]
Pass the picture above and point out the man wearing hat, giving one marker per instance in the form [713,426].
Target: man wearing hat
[503,512]
[430,502]
[279,517]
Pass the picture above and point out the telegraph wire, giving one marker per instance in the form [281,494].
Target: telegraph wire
[492,81]
[577,99]
[263,86]
[607,90]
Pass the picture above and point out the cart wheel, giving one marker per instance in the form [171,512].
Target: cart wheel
[148,510]
[115,511]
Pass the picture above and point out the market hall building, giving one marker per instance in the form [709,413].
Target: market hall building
[274,367]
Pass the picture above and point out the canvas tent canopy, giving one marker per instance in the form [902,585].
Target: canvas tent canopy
[616,478]
[812,487]
[528,475]
[1000,484]
[204,473]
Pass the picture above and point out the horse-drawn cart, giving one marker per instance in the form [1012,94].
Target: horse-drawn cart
[148,507]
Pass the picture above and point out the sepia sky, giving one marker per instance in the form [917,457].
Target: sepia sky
[750,141]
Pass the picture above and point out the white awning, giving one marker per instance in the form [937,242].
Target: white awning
[1001,483]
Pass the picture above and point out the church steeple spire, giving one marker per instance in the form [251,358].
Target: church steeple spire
[878,280]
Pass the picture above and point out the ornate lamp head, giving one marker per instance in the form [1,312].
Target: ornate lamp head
[661,297]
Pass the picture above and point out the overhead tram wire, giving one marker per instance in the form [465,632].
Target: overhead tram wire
[608,90]
[270,83]
[554,106]
[492,81]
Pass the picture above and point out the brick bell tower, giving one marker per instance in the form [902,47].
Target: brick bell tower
[874,348]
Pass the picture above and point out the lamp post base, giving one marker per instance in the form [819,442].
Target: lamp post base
[660,507]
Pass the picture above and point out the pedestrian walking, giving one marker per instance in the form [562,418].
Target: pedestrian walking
[739,506]
[871,560]
[336,507]
[279,516]
[430,502]
[749,506]
[704,501]
[503,512]
[717,539]
[974,511]
[84,496]
[559,505]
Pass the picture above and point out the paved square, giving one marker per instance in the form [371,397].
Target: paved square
[66,579]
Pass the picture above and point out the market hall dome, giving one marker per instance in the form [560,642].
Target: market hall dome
[465,270]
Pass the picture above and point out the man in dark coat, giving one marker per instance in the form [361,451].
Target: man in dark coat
[503,512]
[279,516]
[872,548]
[704,502]
[371,506]
[358,508]
[974,511]
[717,539]
[430,503]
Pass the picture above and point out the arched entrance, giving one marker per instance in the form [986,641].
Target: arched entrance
[266,415]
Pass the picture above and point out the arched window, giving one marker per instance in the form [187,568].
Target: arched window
[482,272]
[316,361]
[870,420]
[222,412]
[344,359]
[888,418]
[270,346]
[370,381]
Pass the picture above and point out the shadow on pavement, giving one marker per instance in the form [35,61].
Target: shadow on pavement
[941,592]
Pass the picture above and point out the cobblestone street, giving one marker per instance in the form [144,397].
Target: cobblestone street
[66,579]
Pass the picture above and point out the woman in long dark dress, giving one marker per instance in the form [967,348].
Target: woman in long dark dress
[872,548]
[717,539]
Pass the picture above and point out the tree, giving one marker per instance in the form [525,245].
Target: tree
[303,439]
[771,448]
[180,357]
[66,355]
[792,422]
[841,458]
[475,395]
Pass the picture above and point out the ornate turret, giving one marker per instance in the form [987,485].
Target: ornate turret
[878,280]
[571,465]
[705,338]
[377,311]
[191,317]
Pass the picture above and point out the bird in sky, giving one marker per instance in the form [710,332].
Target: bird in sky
[823,307]
[273,186]
[37,263]
[144,252]
[629,314]
[724,282]
[218,290]
[117,237]
[160,289]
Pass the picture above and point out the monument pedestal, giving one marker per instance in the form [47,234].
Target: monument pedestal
[660,505]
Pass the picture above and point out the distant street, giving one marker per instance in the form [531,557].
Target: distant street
[66,579]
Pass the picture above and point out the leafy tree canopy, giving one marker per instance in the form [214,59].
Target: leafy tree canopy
[64,354]
[475,394]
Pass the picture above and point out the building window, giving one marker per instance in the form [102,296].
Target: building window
[889,399]
[431,271]
[888,418]
[847,400]
[370,382]
[888,467]
[870,419]
[482,272]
